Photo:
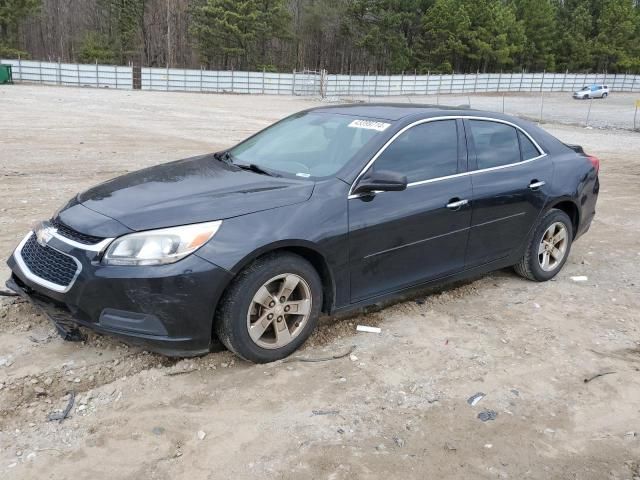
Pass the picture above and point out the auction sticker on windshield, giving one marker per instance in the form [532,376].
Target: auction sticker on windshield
[370,125]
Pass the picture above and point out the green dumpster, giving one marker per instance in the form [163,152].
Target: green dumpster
[5,74]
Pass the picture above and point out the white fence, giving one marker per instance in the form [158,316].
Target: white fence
[308,83]
[84,75]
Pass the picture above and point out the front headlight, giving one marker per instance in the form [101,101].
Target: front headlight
[159,247]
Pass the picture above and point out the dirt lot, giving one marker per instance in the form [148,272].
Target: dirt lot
[397,409]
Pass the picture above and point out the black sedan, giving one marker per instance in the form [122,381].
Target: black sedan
[328,210]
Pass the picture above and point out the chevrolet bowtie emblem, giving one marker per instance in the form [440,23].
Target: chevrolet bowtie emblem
[44,234]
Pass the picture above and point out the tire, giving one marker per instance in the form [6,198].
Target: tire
[264,280]
[531,265]
[604,95]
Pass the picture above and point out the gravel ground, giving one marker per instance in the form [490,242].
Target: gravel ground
[396,408]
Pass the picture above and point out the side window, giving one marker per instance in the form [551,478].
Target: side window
[496,143]
[529,150]
[424,152]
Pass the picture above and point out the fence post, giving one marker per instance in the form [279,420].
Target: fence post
[589,111]
[349,85]
[293,83]
[375,86]
[324,83]
[521,78]
[78,73]
[633,84]
[184,79]
[20,68]
[116,70]
[541,104]
[426,88]
[200,78]
[499,81]
[97,75]
[59,73]
[167,83]
[40,70]
[402,83]
[388,84]
[263,72]
[232,81]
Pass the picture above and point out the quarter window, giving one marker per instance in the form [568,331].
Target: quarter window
[496,143]
[424,152]
[529,150]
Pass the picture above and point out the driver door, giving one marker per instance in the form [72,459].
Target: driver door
[400,239]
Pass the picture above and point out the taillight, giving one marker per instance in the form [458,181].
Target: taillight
[595,161]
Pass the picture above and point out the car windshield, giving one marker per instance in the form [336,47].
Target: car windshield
[308,144]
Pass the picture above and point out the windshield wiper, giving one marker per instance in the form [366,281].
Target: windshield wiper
[255,168]
[224,157]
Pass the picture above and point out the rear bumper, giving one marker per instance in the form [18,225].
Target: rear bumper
[168,309]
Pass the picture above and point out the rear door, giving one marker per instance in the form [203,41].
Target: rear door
[509,179]
[399,239]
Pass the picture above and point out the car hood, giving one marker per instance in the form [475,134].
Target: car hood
[192,190]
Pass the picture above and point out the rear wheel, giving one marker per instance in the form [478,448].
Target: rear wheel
[271,308]
[604,95]
[548,247]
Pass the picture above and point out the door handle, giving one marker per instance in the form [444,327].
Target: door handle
[455,204]
[535,185]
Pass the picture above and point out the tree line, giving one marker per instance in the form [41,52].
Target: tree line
[342,36]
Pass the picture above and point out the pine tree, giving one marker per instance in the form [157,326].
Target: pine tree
[444,42]
[616,45]
[538,18]
[238,32]
[12,13]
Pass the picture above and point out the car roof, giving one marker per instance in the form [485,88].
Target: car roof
[408,111]
[393,111]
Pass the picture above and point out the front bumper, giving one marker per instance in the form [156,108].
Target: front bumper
[168,309]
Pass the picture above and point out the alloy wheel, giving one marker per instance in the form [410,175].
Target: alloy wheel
[553,247]
[279,311]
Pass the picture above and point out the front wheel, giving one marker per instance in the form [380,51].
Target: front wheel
[548,247]
[271,308]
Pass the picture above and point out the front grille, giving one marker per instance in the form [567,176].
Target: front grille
[72,234]
[47,263]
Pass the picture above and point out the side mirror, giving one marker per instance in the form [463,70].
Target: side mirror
[381,181]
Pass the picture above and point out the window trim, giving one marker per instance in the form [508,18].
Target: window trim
[369,164]
[397,135]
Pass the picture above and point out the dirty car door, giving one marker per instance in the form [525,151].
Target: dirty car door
[399,239]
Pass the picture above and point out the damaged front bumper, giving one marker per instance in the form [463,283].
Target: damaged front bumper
[168,308]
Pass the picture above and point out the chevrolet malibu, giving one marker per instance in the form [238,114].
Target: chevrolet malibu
[326,211]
